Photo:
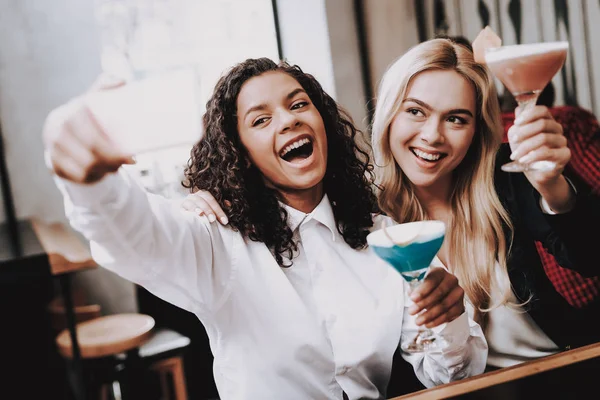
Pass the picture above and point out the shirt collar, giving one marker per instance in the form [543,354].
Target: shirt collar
[323,213]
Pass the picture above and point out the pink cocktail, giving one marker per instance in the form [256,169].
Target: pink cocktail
[525,70]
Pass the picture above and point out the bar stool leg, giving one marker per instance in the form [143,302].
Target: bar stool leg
[132,376]
[179,380]
[79,385]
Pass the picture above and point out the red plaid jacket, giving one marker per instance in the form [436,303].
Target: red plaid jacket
[583,134]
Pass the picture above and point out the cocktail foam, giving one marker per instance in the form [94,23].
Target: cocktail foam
[522,50]
[407,233]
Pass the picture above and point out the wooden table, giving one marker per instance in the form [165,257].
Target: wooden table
[570,374]
[41,251]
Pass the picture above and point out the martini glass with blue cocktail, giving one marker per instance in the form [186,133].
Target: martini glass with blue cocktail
[409,248]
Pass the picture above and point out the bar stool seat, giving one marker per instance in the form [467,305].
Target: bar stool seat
[108,335]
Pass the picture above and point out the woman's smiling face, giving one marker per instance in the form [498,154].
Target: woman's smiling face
[433,130]
[283,132]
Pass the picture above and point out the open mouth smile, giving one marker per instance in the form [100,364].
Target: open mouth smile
[429,157]
[297,151]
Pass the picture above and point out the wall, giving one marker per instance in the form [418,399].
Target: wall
[320,36]
[49,52]
[391,29]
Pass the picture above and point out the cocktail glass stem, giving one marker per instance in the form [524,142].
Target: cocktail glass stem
[424,337]
[526,102]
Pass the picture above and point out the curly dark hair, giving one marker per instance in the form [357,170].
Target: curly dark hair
[219,164]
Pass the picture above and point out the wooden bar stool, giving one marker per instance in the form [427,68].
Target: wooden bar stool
[160,351]
[108,348]
[108,335]
[163,354]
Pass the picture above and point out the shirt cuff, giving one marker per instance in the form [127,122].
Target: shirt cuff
[101,192]
[544,205]
[455,332]
[105,190]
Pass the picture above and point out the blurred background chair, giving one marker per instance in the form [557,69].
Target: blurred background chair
[123,355]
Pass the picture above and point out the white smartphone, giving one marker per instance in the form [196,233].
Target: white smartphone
[154,113]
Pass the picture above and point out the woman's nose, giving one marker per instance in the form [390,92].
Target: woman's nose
[288,120]
[430,132]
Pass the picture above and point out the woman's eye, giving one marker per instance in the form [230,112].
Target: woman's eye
[299,104]
[457,120]
[415,111]
[260,121]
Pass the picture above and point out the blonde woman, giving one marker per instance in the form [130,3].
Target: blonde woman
[436,138]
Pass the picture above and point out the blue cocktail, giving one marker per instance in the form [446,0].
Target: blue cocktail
[409,248]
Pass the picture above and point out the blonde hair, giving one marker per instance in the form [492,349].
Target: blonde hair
[475,237]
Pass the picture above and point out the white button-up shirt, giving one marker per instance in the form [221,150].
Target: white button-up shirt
[328,324]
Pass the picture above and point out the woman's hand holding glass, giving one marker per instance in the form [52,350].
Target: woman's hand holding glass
[536,136]
[438,299]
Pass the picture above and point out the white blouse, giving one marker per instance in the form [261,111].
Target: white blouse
[512,335]
[327,325]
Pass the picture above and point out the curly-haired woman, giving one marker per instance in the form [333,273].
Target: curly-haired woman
[293,303]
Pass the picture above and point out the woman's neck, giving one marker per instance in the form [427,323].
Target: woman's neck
[435,200]
[303,200]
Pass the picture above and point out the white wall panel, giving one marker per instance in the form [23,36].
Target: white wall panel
[454,17]
[592,24]
[578,52]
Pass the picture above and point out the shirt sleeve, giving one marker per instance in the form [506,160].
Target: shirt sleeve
[560,234]
[546,207]
[462,354]
[149,240]
[571,245]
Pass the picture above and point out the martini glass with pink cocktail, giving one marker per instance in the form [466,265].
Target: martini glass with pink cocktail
[525,69]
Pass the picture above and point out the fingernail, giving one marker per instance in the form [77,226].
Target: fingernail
[413,309]
[212,218]
[415,296]
[518,120]
[419,320]
[513,156]
[198,211]
[224,220]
